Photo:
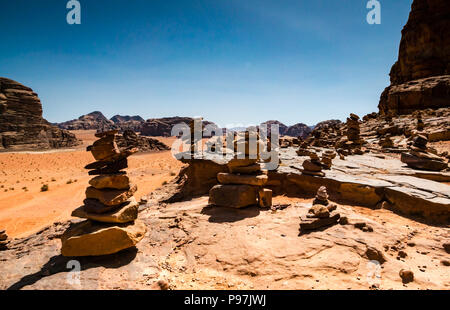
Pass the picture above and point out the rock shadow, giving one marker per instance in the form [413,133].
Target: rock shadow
[229,215]
[58,264]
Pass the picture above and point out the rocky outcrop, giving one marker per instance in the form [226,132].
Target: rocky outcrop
[130,139]
[162,127]
[420,78]
[92,121]
[128,122]
[297,130]
[21,123]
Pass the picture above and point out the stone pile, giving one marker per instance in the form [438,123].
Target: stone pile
[327,159]
[303,149]
[420,123]
[110,208]
[418,156]
[313,166]
[386,142]
[353,134]
[243,185]
[321,214]
[3,240]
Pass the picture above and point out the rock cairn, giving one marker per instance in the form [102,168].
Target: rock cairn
[313,166]
[3,240]
[420,123]
[351,143]
[327,159]
[243,185]
[386,142]
[418,156]
[321,214]
[110,208]
[303,149]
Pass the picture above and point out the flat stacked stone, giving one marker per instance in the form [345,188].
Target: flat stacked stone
[321,214]
[313,166]
[3,240]
[327,159]
[418,156]
[243,185]
[110,208]
[303,149]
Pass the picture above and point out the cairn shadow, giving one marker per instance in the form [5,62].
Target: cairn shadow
[58,264]
[229,215]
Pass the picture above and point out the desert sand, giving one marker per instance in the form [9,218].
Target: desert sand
[25,209]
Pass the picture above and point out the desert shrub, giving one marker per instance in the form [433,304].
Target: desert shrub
[44,188]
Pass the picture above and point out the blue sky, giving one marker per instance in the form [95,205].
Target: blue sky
[230,61]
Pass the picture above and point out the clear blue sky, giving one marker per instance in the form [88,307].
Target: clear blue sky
[230,61]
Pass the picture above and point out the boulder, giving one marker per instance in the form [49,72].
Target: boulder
[265,198]
[424,162]
[90,238]
[115,181]
[110,197]
[235,196]
[229,178]
[125,214]
[406,276]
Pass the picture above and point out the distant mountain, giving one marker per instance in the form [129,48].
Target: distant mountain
[297,130]
[126,118]
[155,127]
[92,121]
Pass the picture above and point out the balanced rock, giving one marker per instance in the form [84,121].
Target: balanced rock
[229,178]
[235,196]
[104,148]
[419,158]
[89,238]
[110,197]
[127,213]
[319,211]
[115,181]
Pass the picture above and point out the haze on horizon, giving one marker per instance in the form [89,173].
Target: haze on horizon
[230,61]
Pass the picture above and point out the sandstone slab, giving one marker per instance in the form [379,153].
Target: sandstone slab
[229,178]
[125,214]
[90,238]
[110,197]
[115,181]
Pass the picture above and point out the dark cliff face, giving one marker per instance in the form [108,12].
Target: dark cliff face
[420,78]
[425,44]
[21,123]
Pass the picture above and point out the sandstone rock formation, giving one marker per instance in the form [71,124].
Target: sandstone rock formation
[420,78]
[110,208]
[130,139]
[126,122]
[296,130]
[21,123]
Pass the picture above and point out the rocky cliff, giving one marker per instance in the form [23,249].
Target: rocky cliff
[420,79]
[21,123]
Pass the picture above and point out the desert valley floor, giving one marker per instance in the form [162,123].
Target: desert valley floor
[191,245]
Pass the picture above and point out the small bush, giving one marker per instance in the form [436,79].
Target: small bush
[44,188]
[53,180]
[69,182]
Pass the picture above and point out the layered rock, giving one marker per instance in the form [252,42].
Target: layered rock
[418,156]
[420,78]
[21,123]
[110,208]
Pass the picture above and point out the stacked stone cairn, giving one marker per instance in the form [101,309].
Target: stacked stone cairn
[110,208]
[327,159]
[303,149]
[418,156]
[313,166]
[3,240]
[420,123]
[386,142]
[243,185]
[321,214]
[353,143]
